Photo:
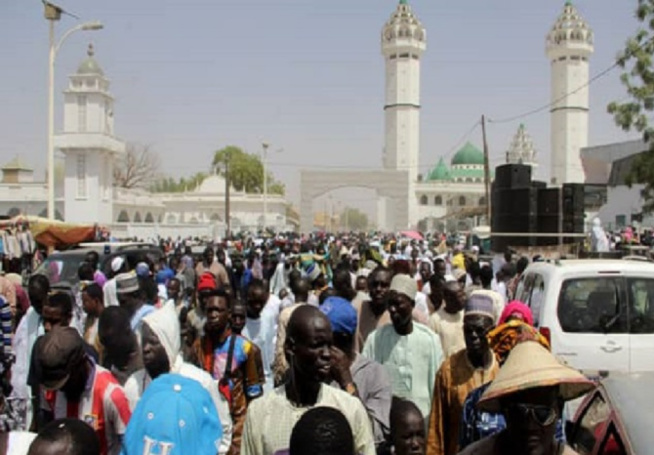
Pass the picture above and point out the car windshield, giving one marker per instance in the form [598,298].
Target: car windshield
[61,268]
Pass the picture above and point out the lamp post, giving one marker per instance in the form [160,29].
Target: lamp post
[53,14]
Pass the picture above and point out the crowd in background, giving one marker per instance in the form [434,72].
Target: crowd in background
[345,344]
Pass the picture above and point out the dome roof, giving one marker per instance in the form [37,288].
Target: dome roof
[440,172]
[214,184]
[404,25]
[468,155]
[90,65]
[570,28]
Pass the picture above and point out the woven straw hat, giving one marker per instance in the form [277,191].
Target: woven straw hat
[530,366]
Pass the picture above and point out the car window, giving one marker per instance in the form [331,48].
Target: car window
[524,287]
[591,425]
[593,305]
[612,444]
[641,305]
[536,297]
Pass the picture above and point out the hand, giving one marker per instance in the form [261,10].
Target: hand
[340,367]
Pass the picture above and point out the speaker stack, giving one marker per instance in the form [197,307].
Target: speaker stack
[523,206]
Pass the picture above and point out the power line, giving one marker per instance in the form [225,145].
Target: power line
[598,76]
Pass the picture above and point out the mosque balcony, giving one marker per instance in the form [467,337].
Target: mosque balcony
[89,141]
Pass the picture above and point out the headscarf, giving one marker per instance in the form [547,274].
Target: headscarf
[505,337]
[520,308]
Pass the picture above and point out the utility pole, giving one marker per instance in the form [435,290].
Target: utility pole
[487,180]
[265,146]
[228,225]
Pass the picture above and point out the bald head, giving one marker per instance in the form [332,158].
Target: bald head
[303,319]
[301,288]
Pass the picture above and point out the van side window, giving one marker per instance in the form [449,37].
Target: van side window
[524,288]
[641,305]
[536,297]
[593,305]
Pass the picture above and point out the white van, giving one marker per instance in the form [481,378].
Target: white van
[598,314]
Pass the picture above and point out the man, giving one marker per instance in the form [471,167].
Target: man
[322,431]
[529,390]
[93,258]
[209,264]
[76,387]
[270,420]
[161,346]
[460,374]
[118,266]
[260,326]
[65,437]
[447,322]
[407,428]
[239,316]
[354,373]
[440,267]
[93,305]
[197,317]
[132,298]
[301,289]
[242,382]
[121,353]
[175,296]
[373,313]
[424,274]
[410,352]
[175,416]
[29,329]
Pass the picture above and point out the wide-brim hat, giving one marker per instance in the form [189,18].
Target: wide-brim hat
[531,366]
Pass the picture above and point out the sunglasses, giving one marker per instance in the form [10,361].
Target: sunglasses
[542,415]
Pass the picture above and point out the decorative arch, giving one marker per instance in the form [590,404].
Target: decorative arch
[171,219]
[462,201]
[423,200]
[160,218]
[123,217]
[194,220]
[149,218]
[482,200]
[214,218]
[438,200]
[137,217]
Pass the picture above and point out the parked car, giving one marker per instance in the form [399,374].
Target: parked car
[598,314]
[61,267]
[616,418]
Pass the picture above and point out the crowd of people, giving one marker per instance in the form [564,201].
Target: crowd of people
[316,345]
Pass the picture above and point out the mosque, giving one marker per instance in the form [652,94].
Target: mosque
[87,195]
[452,194]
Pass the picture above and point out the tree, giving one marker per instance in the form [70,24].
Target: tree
[245,171]
[353,220]
[635,113]
[138,168]
[170,185]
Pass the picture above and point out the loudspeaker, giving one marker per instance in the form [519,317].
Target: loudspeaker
[573,198]
[538,185]
[548,201]
[513,176]
[515,202]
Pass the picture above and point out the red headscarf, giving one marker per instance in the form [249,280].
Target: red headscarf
[517,308]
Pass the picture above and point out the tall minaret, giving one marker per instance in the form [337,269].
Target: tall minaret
[569,46]
[403,42]
[89,145]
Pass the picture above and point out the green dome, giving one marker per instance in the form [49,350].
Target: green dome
[468,155]
[440,172]
[90,65]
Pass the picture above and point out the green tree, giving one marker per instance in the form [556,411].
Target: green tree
[170,185]
[245,171]
[353,220]
[634,114]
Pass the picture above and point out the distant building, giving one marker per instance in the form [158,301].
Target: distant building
[90,150]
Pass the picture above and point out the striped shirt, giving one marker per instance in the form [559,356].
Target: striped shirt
[103,406]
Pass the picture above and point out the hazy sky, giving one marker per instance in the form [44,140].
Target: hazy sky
[193,76]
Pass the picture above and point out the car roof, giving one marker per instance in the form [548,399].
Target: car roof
[631,396]
[567,266]
[74,252]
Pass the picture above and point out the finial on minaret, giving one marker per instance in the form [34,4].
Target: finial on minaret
[90,52]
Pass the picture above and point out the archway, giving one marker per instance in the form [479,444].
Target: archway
[14,211]
[215,218]
[149,218]
[392,187]
[137,217]
[123,217]
[171,219]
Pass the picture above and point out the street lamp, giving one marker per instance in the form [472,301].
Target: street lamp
[52,14]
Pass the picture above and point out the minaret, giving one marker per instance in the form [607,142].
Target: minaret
[89,145]
[569,47]
[403,42]
[521,150]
